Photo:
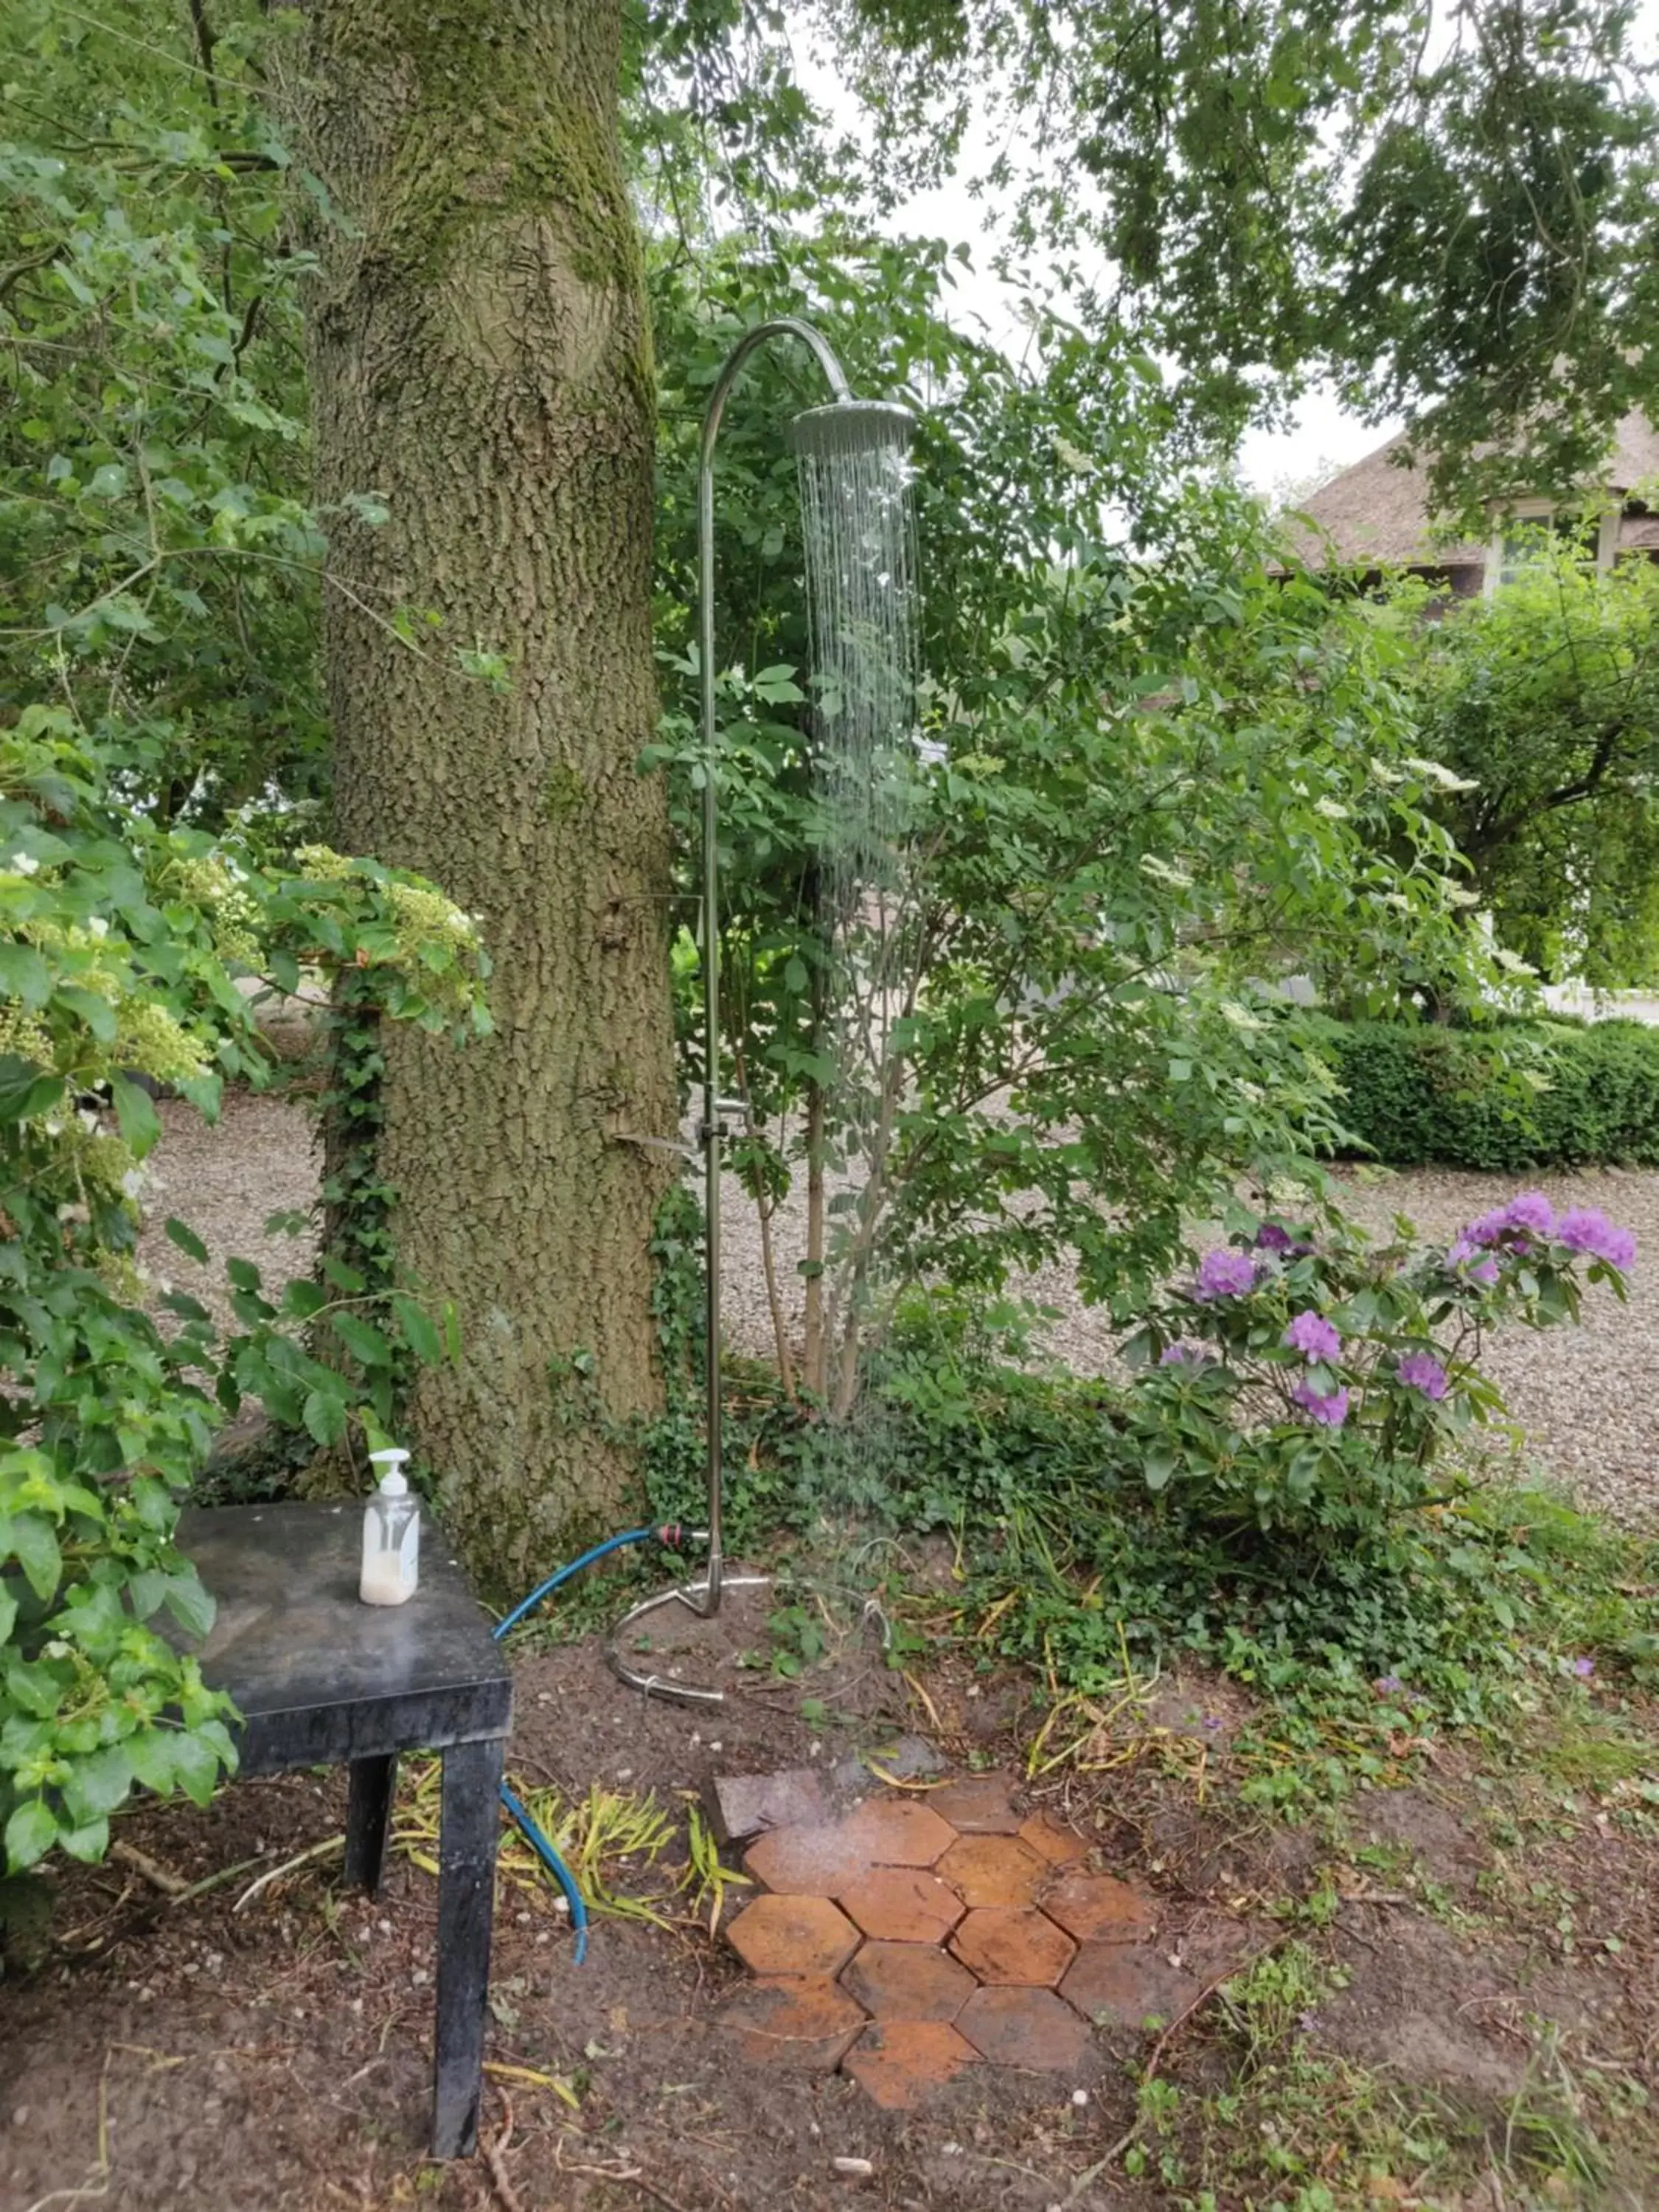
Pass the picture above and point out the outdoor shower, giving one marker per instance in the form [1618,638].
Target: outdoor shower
[852,457]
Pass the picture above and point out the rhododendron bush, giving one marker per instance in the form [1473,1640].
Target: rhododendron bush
[1315,1381]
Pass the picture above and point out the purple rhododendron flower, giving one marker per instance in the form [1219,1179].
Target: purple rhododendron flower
[1184,1355]
[1584,1669]
[1587,1229]
[1422,1372]
[1528,1210]
[1312,1334]
[1531,1210]
[1271,1237]
[1486,1273]
[1330,1411]
[1223,1274]
[1387,1685]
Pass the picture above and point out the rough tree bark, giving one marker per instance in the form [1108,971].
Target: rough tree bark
[480,362]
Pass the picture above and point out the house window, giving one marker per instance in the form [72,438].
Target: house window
[1533,531]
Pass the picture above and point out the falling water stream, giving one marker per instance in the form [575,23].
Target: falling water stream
[859,521]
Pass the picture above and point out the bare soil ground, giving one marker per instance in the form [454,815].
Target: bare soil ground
[217,2055]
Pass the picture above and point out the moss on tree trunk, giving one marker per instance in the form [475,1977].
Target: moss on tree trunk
[480,362]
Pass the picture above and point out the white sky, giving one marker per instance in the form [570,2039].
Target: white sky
[1324,436]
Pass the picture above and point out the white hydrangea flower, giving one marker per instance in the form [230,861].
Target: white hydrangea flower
[24,864]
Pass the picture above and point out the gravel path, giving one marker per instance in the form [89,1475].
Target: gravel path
[226,1182]
[1587,1398]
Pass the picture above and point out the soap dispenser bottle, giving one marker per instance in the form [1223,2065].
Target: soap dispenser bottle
[391,1534]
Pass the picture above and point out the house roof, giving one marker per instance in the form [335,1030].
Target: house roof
[1377,512]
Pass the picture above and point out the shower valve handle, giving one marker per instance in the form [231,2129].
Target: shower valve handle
[707,1130]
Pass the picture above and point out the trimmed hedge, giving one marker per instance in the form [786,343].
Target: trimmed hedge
[1518,1095]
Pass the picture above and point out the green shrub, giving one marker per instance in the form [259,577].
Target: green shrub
[118,942]
[1541,1094]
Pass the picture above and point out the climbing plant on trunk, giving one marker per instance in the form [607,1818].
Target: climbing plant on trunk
[481,371]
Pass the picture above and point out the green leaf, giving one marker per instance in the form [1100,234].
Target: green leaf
[190,1605]
[325,1417]
[421,1336]
[8,1615]
[135,1112]
[195,1766]
[97,1013]
[1156,1469]
[30,1834]
[89,1842]
[150,1750]
[25,1095]
[361,1339]
[145,1590]
[243,1274]
[186,1238]
[302,1297]
[24,975]
[34,1544]
[97,1785]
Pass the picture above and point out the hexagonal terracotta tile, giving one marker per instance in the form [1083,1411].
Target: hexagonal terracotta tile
[908,1981]
[1097,1909]
[979,1805]
[803,1861]
[903,1904]
[994,1870]
[1013,1943]
[898,1832]
[1022,2028]
[1059,1844]
[1125,1985]
[898,2061]
[799,2025]
[792,1936]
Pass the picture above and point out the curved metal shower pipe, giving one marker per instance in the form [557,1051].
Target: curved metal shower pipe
[703,1596]
[783,326]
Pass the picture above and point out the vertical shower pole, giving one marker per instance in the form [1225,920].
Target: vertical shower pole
[712,1102]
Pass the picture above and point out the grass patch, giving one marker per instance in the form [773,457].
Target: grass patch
[1300,2129]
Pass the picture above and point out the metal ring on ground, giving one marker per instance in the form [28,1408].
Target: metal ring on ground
[685,1593]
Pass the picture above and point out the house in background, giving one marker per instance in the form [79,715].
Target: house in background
[1376,515]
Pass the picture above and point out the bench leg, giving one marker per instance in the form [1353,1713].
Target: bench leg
[466,1900]
[368,1812]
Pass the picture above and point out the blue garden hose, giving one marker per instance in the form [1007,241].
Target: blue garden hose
[521,1814]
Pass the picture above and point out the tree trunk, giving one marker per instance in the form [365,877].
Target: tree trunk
[480,362]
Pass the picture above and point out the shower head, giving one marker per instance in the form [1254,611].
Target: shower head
[853,425]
